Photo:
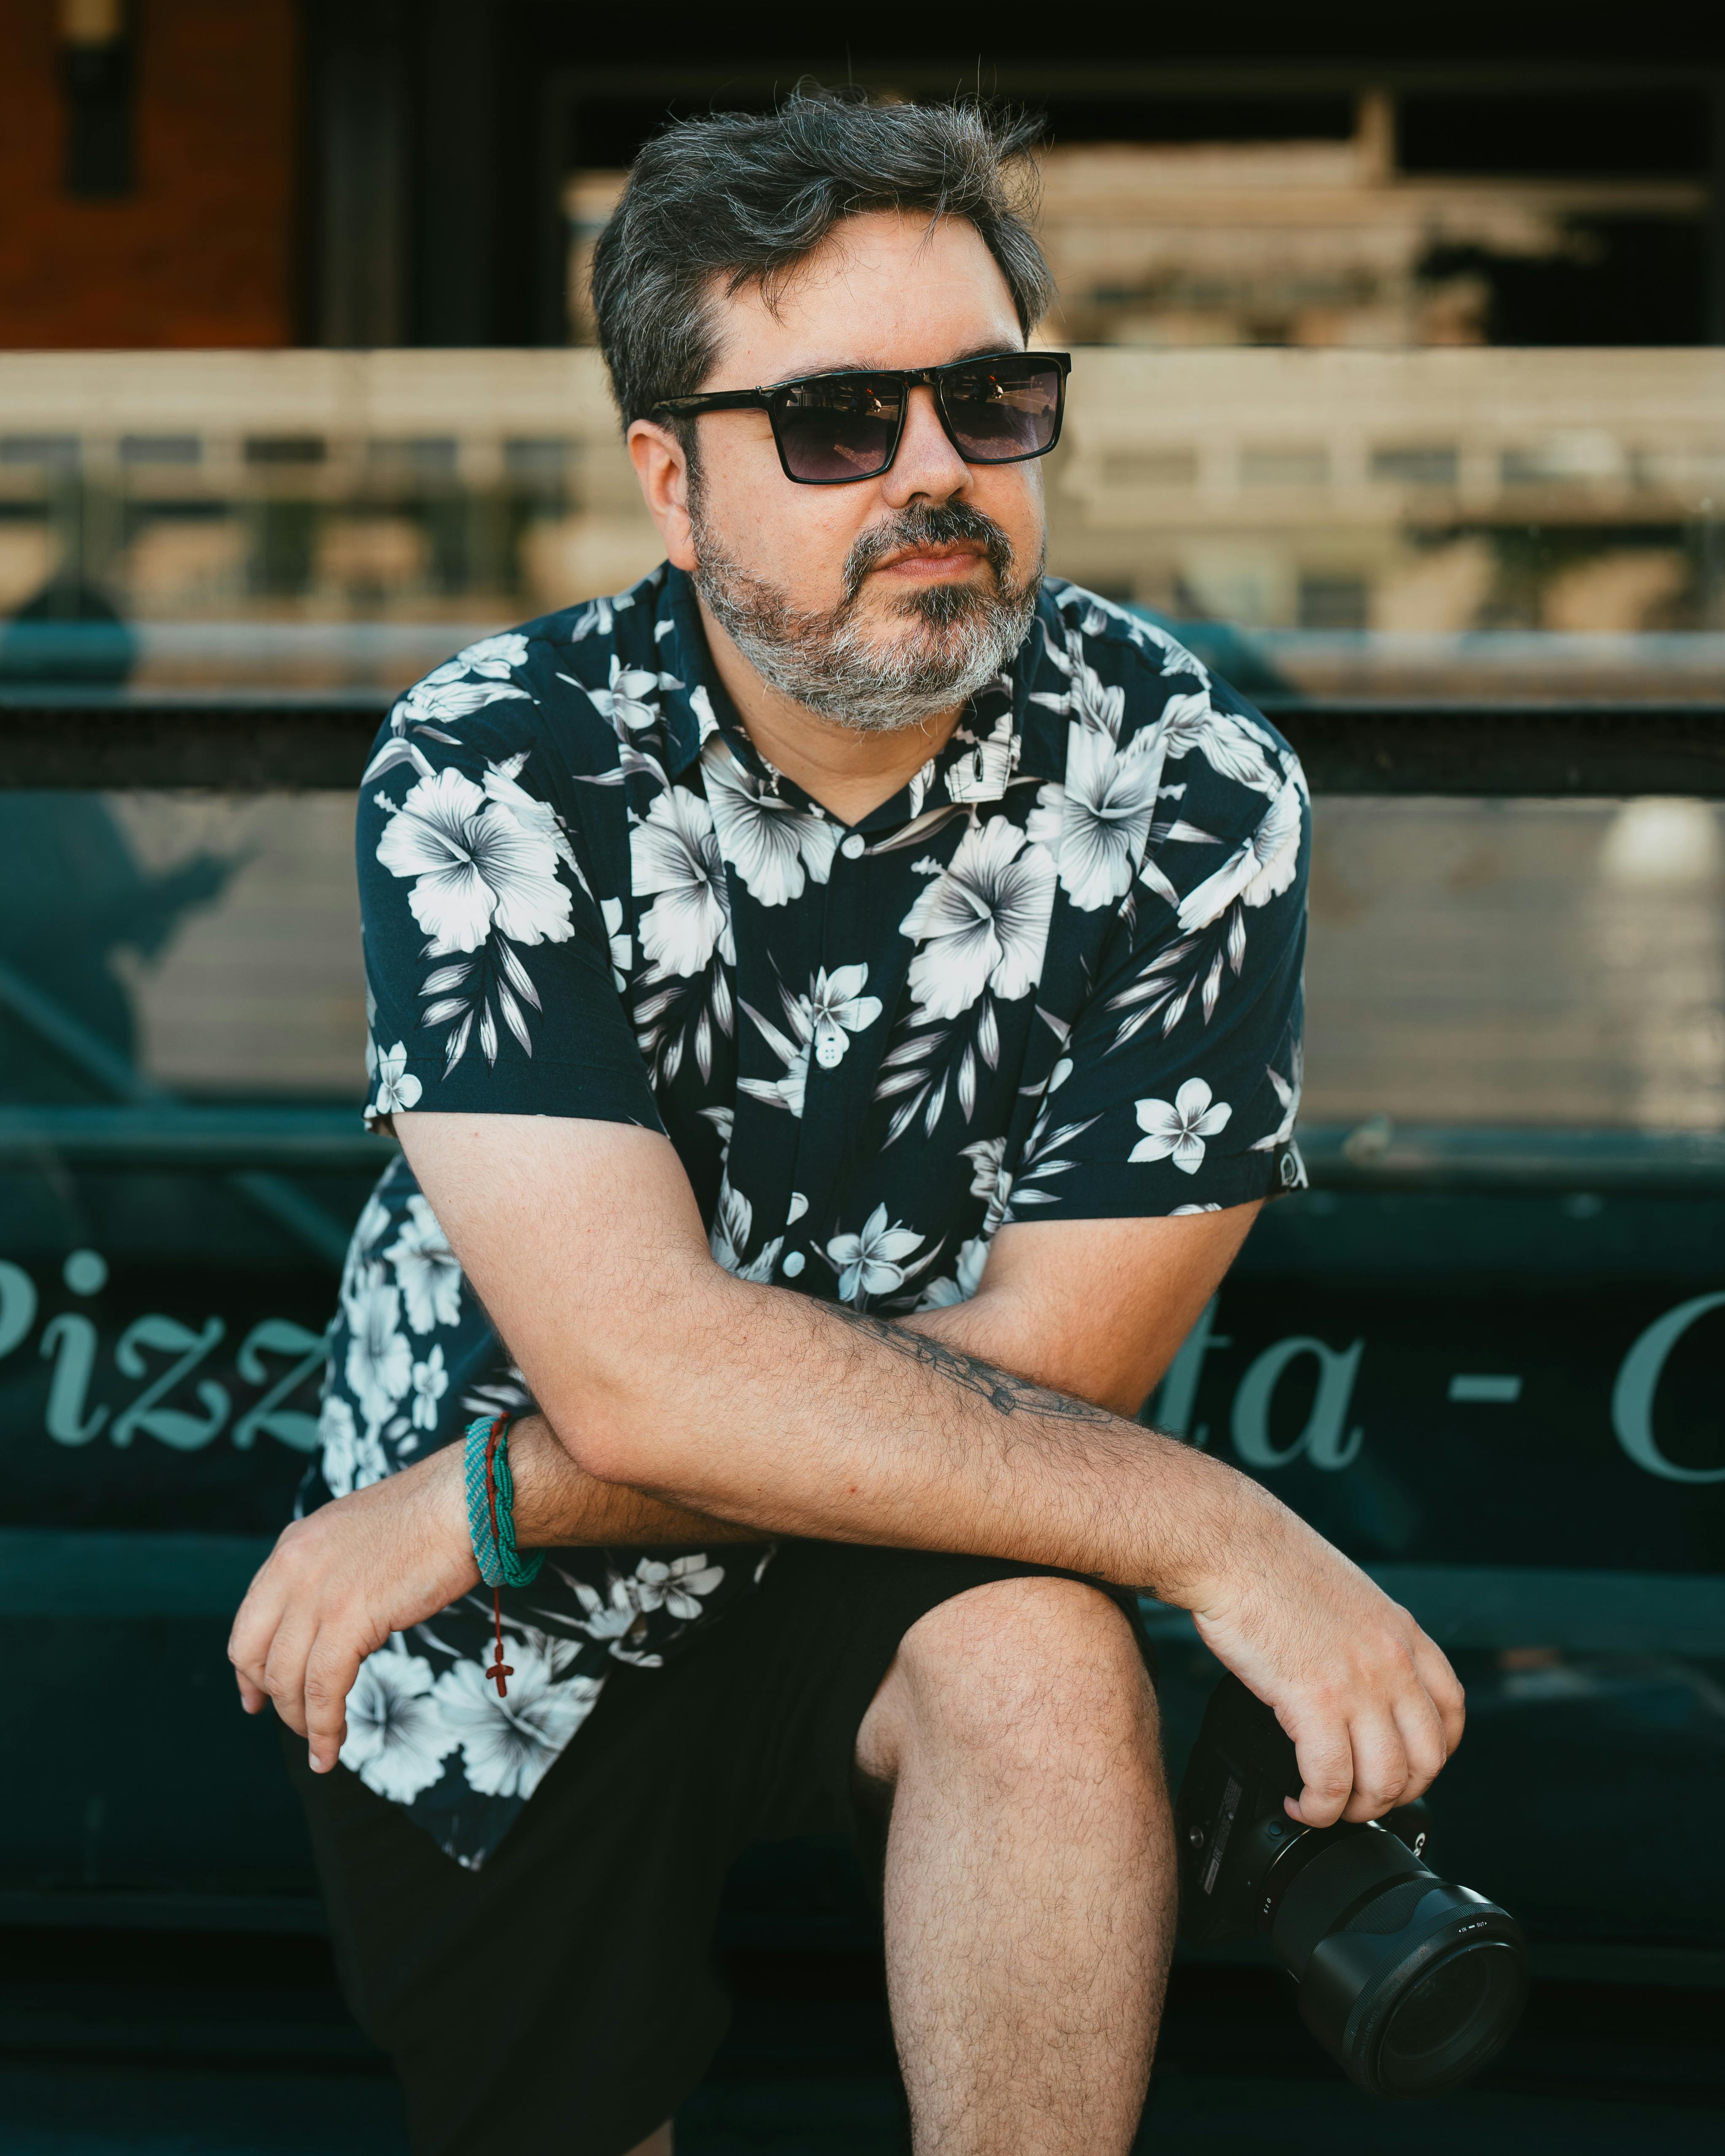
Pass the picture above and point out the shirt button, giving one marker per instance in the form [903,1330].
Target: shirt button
[854,845]
[794,1264]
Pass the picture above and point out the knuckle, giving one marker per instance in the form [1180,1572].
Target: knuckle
[1393,1653]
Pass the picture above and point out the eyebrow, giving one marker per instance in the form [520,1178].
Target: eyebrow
[987,349]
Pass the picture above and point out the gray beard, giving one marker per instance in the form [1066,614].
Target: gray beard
[830,663]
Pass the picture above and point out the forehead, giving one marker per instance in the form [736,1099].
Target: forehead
[883,290]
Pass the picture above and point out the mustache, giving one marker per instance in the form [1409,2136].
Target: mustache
[927,524]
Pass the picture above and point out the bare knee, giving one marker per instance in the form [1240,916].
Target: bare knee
[1020,1678]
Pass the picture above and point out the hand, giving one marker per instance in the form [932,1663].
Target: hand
[337,1585]
[1371,1703]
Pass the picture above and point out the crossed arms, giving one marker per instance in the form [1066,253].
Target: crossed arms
[680,1404]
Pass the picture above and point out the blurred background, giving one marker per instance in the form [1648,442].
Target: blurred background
[1399,389]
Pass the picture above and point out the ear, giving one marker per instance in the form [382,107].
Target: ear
[663,470]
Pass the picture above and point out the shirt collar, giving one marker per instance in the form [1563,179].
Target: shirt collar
[982,755]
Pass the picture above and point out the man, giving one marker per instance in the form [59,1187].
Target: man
[840,1002]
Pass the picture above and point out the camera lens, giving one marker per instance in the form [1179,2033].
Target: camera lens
[1446,2024]
[1410,1983]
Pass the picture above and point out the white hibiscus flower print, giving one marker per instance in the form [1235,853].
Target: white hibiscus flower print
[1177,1129]
[616,1621]
[1228,743]
[619,1619]
[598,616]
[1287,1093]
[1260,869]
[982,775]
[733,1230]
[821,1023]
[622,947]
[675,861]
[509,1745]
[352,1459]
[990,1179]
[793,1047]
[502,785]
[427,1271]
[777,849]
[984,924]
[630,703]
[430,1381]
[966,1279]
[475,866]
[1097,824]
[1175,657]
[396,1739]
[705,717]
[495,657]
[380,1364]
[837,1008]
[397,1085]
[446,693]
[677,1587]
[869,1264]
[1096,706]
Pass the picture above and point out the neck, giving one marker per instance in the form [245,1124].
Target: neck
[848,772]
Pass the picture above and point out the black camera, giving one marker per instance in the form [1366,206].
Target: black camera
[1411,1984]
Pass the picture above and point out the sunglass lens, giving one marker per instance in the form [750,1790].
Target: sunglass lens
[843,427]
[1001,409]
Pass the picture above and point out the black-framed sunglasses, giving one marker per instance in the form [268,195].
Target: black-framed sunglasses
[834,429]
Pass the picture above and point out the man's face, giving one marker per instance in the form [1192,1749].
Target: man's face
[882,601]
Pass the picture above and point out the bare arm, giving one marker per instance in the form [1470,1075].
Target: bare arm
[660,1372]
[1096,1307]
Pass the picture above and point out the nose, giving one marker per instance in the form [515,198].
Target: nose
[927,467]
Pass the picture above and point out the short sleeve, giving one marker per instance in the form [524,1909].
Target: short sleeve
[1179,1083]
[490,982]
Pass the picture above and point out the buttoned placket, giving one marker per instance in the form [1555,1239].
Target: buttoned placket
[799,1181]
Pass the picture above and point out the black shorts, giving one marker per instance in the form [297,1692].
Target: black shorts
[565,1996]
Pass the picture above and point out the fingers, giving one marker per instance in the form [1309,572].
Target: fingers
[305,1664]
[249,1641]
[1326,1758]
[1443,1688]
[284,1671]
[330,1669]
[1421,1729]
[1361,1757]
[1380,1765]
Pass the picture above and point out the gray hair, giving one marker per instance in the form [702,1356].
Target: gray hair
[745,197]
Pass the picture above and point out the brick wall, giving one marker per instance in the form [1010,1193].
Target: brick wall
[202,251]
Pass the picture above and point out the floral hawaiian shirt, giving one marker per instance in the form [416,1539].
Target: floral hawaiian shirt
[1056,976]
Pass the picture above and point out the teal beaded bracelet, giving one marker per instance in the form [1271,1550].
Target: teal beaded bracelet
[490,1507]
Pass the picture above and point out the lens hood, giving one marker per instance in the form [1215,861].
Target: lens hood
[1409,1983]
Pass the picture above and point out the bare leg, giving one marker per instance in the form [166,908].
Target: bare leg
[1029,1890]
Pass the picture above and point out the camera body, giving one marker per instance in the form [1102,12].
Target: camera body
[1410,1983]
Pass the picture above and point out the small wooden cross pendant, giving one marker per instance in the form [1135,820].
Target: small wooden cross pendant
[498,1671]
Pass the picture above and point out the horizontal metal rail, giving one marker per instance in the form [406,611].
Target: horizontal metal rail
[315,739]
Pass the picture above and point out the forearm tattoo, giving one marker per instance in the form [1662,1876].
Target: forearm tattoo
[1004,1392]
